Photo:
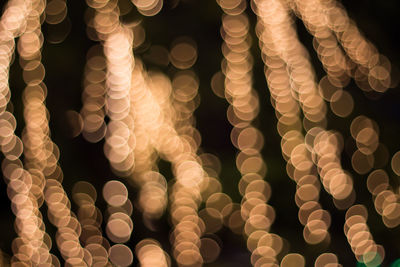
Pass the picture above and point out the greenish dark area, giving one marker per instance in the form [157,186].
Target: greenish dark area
[201,20]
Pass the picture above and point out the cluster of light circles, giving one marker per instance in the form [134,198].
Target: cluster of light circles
[18,181]
[150,253]
[237,88]
[155,132]
[153,186]
[97,248]
[119,223]
[385,199]
[91,122]
[218,205]
[120,141]
[330,25]
[335,180]
[58,23]
[325,147]
[335,63]
[24,190]
[148,8]
[41,154]
[68,227]
[365,133]
[371,154]
[119,60]
[90,219]
[144,116]
[373,70]
[359,237]
[220,210]
[38,149]
[337,66]
[296,149]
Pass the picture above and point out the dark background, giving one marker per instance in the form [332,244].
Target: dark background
[201,20]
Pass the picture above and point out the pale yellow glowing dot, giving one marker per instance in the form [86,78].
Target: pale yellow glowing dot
[184,53]
[377,181]
[84,192]
[118,231]
[56,11]
[362,163]
[209,249]
[115,193]
[395,163]
[217,84]
[120,255]
[212,219]
[189,257]
[75,123]
[342,103]
[326,259]
[293,260]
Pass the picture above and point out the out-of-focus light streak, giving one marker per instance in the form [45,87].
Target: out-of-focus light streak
[148,8]
[150,253]
[148,118]
[58,23]
[359,237]
[174,148]
[286,94]
[29,46]
[151,117]
[32,244]
[328,23]
[373,70]
[120,140]
[41,154]
[325,146]
[90,217]
[110,78]
[94,96]
[337,66]
[256,214]
[185,100]
[365,133]
[117,45]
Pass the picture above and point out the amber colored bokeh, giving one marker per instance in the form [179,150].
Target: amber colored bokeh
[197,133]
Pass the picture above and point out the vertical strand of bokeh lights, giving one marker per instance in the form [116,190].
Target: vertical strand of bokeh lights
[93,96]
[117,43]
[295,150]
[337,65]
[325,27]
[321,177]
[153,197]
[172,147]
[336,181]
[41,154]
[370,156]
[120,142]
[257,215]
[29,46]
[372,73]
[28,246]
[218,205]
[373,70]
[151,118]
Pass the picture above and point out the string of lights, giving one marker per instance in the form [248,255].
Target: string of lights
[165,201]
